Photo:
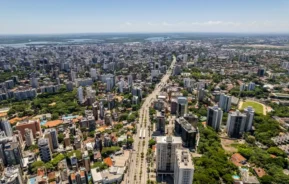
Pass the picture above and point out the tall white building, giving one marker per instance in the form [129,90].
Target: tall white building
[166,153]
[236,124]
[34,82]
[184,167]
[29,137]
[109,84]
[72,75]
[225,102]
[93,74]
[249,111]
[129,80]
[214,117]
[12,175]
[189,82]
[80,97]
[121,85]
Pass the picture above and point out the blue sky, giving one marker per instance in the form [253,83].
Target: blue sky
[94,16]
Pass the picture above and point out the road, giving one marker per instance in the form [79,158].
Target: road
[137,169]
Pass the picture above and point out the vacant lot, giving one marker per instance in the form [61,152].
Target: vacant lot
[259,108]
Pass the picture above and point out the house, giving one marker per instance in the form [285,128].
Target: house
[260,172]
[238,159]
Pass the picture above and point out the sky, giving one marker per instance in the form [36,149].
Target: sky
[110,16]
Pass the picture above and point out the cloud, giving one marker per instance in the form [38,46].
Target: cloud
[167,24]
[216,23]
[152,24]
[128,23]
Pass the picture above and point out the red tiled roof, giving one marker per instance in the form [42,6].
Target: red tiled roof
[237,159]
[108,161]
[260,172]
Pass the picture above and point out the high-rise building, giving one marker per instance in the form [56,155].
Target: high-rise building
[109,84]
[95,110]
[86,161]
[214,117]
[166,151]
[44,149]
[29,137]
[192,119]
[160,122]
[187,132]
[184,167]
[137,91]
[13,154]
[261,72]
[251,86]
[225,102]
[242,87]
[236,124]
[34,125]
[101,110]
[174,106]
[177,70]
[51,135]
[72,76]
[18,137]
[12,175]
[34,82]
[6,127]
[80,96]
[121,85]
[129,80]
[182,106]
[69,86]
[93,73]
[249,111]
[201,94]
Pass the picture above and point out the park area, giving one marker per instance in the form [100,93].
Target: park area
[258,107]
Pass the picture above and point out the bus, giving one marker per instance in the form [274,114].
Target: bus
[140,133]
[144,134]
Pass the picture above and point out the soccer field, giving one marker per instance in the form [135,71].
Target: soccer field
[256,106]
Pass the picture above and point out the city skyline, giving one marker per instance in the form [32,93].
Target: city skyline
[53,17]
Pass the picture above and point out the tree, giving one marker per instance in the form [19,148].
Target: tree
[123,116]
[130,141]
[33,147]
[91,134]
[37,164]
[151,142]
[131,118]
[185,92]
[100,166]
[60,137]
[277,151]
[55,116]
[57,159]
[106,151]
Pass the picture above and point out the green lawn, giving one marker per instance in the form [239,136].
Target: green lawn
[256,106]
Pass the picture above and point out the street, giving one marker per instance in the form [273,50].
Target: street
[137,169]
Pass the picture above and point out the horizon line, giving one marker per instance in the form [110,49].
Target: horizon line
[184,32]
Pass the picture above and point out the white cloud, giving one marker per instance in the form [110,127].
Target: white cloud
[167,24]
[128,23]
[216,23]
